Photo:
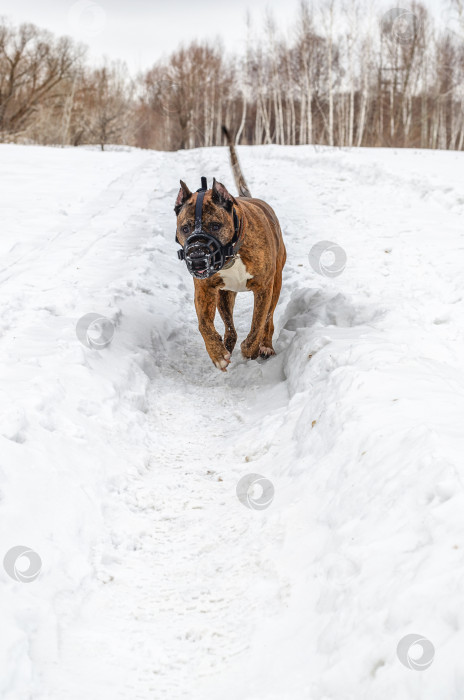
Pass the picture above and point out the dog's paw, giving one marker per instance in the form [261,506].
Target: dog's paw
[249,351]
[265,351]
[222,361]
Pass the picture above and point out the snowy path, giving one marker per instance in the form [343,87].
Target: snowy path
[157,582]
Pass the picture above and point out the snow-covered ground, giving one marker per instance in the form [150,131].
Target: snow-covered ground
[119,465]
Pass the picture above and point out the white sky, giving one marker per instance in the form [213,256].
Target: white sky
[141,31]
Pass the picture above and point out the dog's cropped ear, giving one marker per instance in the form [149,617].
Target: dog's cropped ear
[221,196]
[182,197]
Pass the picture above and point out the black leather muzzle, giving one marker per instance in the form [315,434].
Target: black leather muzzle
[204,254]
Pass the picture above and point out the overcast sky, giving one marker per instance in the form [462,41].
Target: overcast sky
[142,31]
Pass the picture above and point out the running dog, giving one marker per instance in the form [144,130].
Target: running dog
[231,244]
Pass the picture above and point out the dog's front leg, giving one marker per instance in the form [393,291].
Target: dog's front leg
[205,305]
[250,346]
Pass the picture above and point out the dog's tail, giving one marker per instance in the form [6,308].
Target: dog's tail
[236,169]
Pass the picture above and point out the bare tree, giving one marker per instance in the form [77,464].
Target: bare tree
[33,68]
[108,104]
[347,76]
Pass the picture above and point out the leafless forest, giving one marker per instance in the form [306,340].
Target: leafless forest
[344,76]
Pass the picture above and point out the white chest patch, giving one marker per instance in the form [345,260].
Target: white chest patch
[235,277]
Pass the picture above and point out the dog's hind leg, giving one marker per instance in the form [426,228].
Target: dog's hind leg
[265,346]
[225,305]
[251,345]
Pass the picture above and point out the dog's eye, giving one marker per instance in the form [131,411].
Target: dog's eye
[185,229]
[215,227]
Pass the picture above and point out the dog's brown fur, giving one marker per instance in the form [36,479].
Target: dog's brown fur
[263,254]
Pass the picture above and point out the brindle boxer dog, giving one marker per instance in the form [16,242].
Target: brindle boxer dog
[212,227]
